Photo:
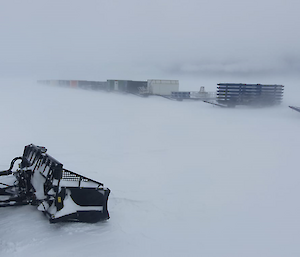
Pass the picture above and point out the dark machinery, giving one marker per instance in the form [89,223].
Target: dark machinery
[61,194]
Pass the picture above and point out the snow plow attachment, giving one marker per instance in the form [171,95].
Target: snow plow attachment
[62,195]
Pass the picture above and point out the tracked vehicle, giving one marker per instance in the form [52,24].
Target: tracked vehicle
[62,195]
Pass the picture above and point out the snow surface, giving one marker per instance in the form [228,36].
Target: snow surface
[186,178]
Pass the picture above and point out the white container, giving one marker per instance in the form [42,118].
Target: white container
[162,87]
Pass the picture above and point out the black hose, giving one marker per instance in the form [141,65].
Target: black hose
[8,172]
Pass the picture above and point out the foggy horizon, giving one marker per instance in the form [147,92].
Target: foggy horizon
[98,40]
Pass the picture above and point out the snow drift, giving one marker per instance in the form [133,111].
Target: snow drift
[187,178]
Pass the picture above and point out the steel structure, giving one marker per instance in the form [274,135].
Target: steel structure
[232,94]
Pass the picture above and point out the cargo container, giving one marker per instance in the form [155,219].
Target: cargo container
[73,83]
[116,85]
[128,86]
[162,87]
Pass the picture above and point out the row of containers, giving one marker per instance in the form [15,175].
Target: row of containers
[166,88]
[228,94]
[155,87]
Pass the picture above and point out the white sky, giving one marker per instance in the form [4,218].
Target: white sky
[137,39]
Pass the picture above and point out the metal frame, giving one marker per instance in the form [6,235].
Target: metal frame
[61,194]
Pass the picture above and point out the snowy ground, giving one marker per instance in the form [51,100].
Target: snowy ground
[186,178]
